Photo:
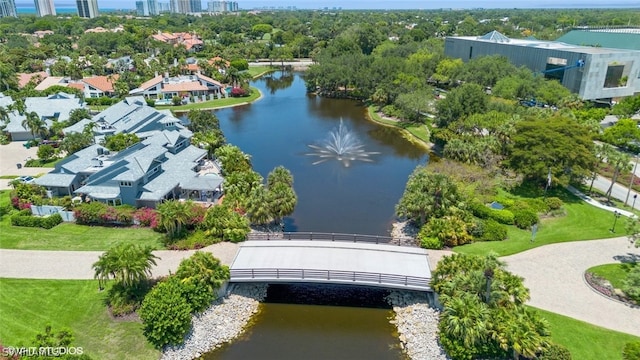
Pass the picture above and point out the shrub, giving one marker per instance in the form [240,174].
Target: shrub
[201,276]
[125,300]
[536,204]
[431,243]
[196,240]
[238,92]
[631,351]
[494,231]
[450,230]
[146,217]
[97,213]
[553,203]
[525,218]
[165,314]
[46,152]
[482,211]
[555,352]
[20,219]
[631,285]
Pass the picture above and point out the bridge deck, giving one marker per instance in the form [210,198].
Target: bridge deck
[324,261]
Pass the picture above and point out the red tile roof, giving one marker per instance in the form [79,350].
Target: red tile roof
[78,85]
[209,80]
[102,83]
[24,78]
[184,86]
[149,83]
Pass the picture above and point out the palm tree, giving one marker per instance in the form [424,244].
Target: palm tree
[464,318]
[258,209]
[281,200]
[279,174]
[128,264]
[427,195]
[35,124]
[18,106]
[602,151]
[620,162]
[173,216]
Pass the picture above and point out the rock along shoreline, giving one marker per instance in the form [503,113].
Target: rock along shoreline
[415,319]
[224,321]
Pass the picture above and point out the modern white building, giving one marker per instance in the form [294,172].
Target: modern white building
[87,8]
[45,7]
[591,72]
[8,8]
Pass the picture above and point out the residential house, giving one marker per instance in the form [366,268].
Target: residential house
[163,166]
[98,86]
[130,116]
[56,107]
[36,78]
[190,41]
[164,87]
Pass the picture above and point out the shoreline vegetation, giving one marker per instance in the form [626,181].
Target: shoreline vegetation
[416,134]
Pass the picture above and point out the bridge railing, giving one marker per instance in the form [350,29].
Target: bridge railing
[331,275]
[320,236]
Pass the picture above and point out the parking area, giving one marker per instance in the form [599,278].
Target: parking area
[15,153]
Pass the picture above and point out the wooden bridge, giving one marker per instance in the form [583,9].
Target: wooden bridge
[332,258]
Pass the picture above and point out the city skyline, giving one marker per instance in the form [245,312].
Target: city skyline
[378,4]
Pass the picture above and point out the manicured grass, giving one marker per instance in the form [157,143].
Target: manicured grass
[27,306]
[581,222]
[419,131]
[586,341]
[45,164]
[259,70]
[214,104]
[67,236]
[615,273]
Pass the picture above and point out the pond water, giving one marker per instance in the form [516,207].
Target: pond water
[287,126]
[348,179]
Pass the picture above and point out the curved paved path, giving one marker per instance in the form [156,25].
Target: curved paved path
[554,275]
[76,265]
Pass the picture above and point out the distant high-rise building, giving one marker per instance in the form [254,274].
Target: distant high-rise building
[45,7]
[195,6]
[222,6]
[8,8]
[164,7]
[142,8]
[87,8]
[154,9]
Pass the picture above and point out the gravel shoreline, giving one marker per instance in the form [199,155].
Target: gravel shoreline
[417,324]
[220,323]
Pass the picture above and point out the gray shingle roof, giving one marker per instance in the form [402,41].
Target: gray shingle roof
[56,180]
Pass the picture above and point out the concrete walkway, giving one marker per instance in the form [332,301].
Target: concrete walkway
[76,265]
[596,203]
[554,274]
[15,153]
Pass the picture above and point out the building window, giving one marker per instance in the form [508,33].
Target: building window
[126,184]
[614,76]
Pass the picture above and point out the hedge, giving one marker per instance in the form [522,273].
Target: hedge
[494,231]
[484,212]
[48,222]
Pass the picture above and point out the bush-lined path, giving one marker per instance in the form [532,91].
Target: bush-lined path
[553,273]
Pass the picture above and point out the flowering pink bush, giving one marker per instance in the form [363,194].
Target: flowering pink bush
[146,217]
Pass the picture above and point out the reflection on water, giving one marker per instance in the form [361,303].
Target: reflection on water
[278,80]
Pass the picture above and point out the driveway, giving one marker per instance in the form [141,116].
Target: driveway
[15,153]
[554,275]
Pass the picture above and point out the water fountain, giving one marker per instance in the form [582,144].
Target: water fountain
[343,146]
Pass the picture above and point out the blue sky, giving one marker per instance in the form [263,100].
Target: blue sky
[385,4]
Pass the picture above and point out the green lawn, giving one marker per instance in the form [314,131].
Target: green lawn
[67,236]
[419,131]
[27,306]
[581,222]
[586,341]
[214,104]
[257,71]
[615,273]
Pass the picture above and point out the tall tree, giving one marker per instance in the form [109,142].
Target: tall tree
[557,144]
[620,162]
[129,264]
[35,124]
[427,195]
[460,102]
